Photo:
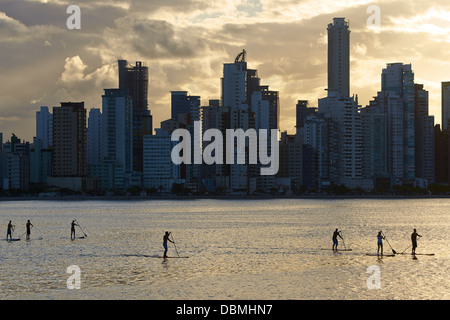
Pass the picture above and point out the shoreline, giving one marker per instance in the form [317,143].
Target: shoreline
[215,197]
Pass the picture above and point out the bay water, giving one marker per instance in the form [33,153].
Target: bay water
[238,249]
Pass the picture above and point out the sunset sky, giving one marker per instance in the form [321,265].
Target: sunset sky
[186,42]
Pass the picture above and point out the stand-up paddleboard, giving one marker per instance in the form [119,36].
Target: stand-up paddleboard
[419,254]
[337,249]
[380,255]
[9,240]
[153,256]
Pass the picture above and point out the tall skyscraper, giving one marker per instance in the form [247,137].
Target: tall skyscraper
[441,158]
[40,162]
[302,111]
[320,151]
[69,140]
[445,108]
[397,83]
[237,114]
[396,126]
[134,79]
[44,127]
[117,117]
[423,136]
[374,128]
[342,109]
[182,103]
[345,113]
[246,104]
[15,165]
[339,56]
[94,137]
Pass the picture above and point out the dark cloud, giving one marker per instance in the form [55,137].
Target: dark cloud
[185,44]
[94,15]
[151,38]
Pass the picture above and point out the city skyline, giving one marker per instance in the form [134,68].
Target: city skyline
[186,44]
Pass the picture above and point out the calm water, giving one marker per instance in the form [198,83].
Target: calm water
[244,249]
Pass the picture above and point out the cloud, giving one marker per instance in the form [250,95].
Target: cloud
[186,42]
[13,118]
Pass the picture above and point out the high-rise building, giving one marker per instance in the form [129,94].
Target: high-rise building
[397,82]
[445,108]
[159,171]
[302,111]
[374,128]
[398,132]
[441,155]
[291,159]
[339,56]
[111,132]
[134,79]
[69,140]
[40,162]
[117,115]
[423,136]
[44,127]
[15,161]
[182,103]
[320,145]
[94,137]
[344,111]
[236,94]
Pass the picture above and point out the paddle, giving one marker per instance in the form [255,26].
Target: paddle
[406,249]
[343,240]
[25,233]
[393,251]
[78,224]
[22,235]
[174,244]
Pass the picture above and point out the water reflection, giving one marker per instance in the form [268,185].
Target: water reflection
[237,249]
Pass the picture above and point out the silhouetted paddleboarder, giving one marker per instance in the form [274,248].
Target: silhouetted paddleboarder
[380,243]
[165,239]
[29,226]
[10,230]
[72,229]
[336,233]
[414,236]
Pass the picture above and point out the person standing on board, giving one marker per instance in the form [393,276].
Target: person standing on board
[336,233]
[165,239]
[72,229]
[10,230]
[29,226]
[380,243]
[414,236]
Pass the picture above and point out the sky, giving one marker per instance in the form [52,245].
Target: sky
[185,43]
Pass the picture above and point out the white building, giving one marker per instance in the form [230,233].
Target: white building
[159,170]
[345,112]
